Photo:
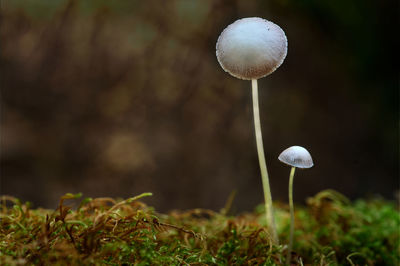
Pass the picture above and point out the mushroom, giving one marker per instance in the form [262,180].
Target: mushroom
[299,157]
[249,49]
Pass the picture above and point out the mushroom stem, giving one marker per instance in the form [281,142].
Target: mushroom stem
[263,167]
[291,215]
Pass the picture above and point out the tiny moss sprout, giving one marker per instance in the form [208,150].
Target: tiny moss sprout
[249,49]
[299,157]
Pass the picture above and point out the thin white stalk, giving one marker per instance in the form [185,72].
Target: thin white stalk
[291,215]
[263,166]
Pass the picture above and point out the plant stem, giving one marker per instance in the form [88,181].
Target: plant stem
[291,214]
[263,166]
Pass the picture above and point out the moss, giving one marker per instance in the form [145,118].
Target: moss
[330,230]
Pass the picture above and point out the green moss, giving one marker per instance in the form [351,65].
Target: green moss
[330,230]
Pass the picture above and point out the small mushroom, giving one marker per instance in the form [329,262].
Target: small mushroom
[299,157]
[296,156]
[249,49]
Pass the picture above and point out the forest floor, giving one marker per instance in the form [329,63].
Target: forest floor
[329,230]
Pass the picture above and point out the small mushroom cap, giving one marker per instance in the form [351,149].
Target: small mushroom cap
[251,48]
[296,156]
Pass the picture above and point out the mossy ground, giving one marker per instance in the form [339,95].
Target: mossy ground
[330,230]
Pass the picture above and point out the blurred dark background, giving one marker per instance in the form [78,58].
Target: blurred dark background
[116,98]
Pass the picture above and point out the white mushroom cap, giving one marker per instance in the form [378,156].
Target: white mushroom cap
[251,48]
[296,156]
